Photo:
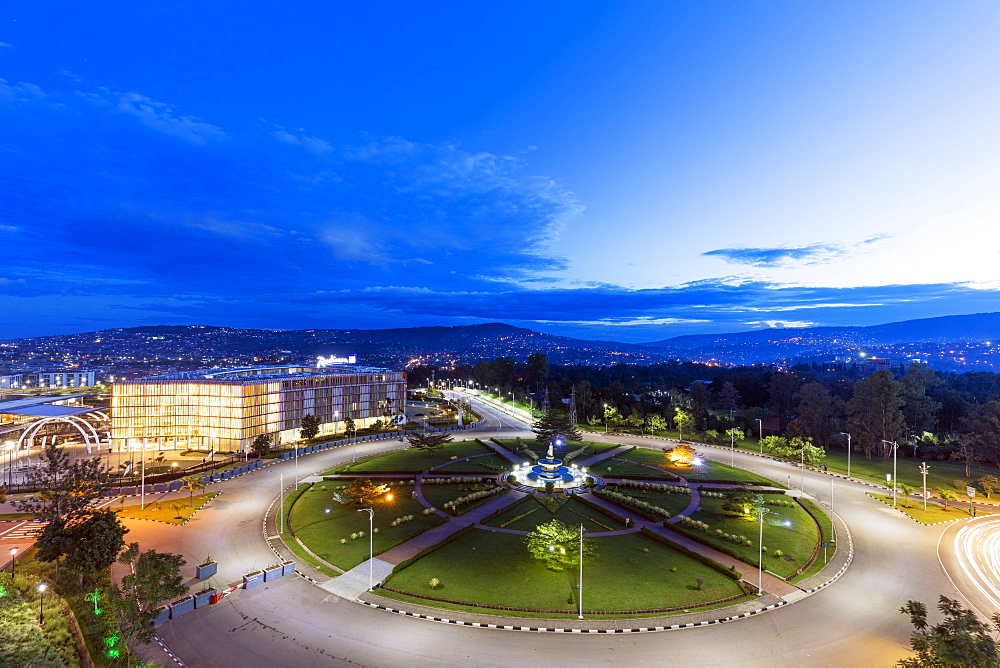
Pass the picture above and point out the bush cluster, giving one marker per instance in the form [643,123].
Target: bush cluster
[632,502]
[401,520]
[739,540]
[576,453]
[694,524]
[470,498]
[654,487]
[455,480]
[780,502]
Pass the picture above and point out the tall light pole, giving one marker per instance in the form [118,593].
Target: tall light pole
[281,501]
[142,491]
[579,596]
[13,552]
[802,465]
[760,550]
[605,418]
[893,444]
[371,545]
[844,433]
[923,469]
[732,447]
[760,438]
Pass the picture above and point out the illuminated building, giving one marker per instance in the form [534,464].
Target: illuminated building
[227,409]
[47,379]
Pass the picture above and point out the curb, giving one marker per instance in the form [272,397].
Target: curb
[166,649]
[543,629]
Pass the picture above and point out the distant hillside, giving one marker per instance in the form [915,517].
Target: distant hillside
[930,339]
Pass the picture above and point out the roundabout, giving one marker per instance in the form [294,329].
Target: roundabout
[293,622]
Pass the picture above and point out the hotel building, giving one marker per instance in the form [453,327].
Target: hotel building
[225,410]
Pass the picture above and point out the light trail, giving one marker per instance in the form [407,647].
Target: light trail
[977,550]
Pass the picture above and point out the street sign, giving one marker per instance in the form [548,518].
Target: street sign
[971,491]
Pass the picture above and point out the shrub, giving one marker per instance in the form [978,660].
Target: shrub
[343,541]
[779,553]
[435,583]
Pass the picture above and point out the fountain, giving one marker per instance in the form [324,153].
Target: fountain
[550,470]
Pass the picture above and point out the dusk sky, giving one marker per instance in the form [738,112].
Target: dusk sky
[617,170]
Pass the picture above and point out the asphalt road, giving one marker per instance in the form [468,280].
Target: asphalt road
[291,622]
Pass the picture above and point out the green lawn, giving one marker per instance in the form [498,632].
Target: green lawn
[528,513]
[438,495]
[940,475]
[321,531]
[495,569]
[477,465]
[796,540]
[711,470]
[413,461]
[165,511]
[617,467]
[14,517]
[672,503]
[936,512]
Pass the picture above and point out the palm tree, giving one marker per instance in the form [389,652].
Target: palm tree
[192,483]
[905,490]
[946,496]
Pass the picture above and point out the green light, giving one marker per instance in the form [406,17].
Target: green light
[3,591]
[97,611]
[114,653]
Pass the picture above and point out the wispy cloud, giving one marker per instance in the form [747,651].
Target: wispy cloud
[772,257]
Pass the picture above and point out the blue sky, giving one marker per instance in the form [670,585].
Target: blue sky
[614,170]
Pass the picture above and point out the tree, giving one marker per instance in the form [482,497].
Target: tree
[817,414]
[557,545]
[961,639]
[682,455]
[155,577]
[905,491]
[261,445]
[94,540]
[537,370]
[362,493]
[946,496]
[655,423]
[919,410]
[982,431]
[309,428]
[192,483]
[734,435]
[989,484]
[428,443]
[874,411]
[555,426]
[684,420]
[349,427]
[729,397]
[64,487]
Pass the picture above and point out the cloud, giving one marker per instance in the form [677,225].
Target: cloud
[773,257]
[782,324]
[6,45]
[156,115]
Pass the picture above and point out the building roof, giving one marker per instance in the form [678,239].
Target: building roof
[263,373]
[43,406]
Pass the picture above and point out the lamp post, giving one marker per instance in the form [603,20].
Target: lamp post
[732,447]
[923,469]
[760,437]
[41,590]
[579,596]
[844,433]
[760,550]
[142,487]
[605,418]
[371,548]
[281,501]
[802,467]
[13,552]
[893,444]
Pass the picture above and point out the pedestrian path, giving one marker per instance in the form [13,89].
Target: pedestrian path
[20,530]
[419,543]
[356,581]
[601,456]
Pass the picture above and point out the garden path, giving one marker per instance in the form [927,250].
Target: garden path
[601,456]
[417,544]
[770,583]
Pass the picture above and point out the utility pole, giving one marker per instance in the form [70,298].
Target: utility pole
[923,469]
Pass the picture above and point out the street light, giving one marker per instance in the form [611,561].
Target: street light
[281,501]
[371,545]
[760,439]
[732,447]
[579,595]
[923,469]
[605,418]
[893,444]
[844,433]
[13,551]
[760,550]
[41,590]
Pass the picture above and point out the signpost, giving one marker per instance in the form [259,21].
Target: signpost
[971,491]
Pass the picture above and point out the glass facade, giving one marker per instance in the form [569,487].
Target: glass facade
[226,410]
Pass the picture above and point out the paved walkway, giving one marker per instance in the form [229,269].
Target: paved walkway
[418,544]
[356,581]
[601,456]
[503,452]
[770,583]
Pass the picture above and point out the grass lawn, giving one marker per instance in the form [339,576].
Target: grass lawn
[411,460]
[672,503]
[165,511]
[935,512]
[711,470]
[478,465]
[495,569]
[617,467]
[438,495]
[528,513]
[14,517]
[322,531]
[797,540]
[940,475]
